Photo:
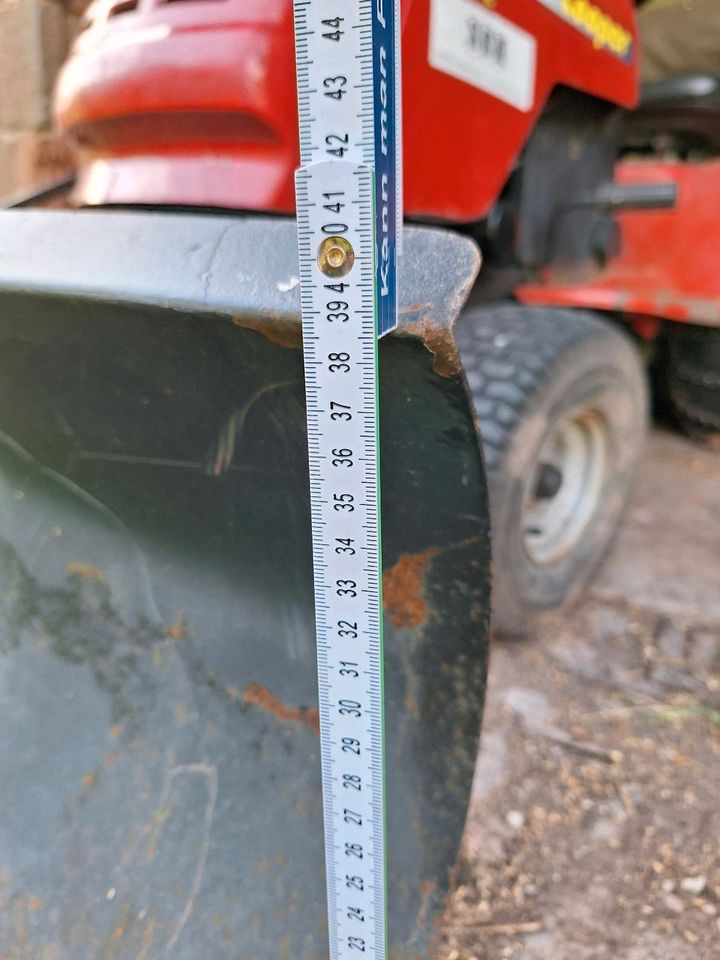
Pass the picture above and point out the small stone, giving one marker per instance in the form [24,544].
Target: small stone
[668,885]
[604,829]
[690,936]
[492,765]
[709,909]
[670,641]
[673,903]
[694,885]
[608,622]
[675,679]
[582,661]
[515,819]
[110,895]
[704,651]
[531,705]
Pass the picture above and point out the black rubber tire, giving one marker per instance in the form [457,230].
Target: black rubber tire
[693,373]
[529,368]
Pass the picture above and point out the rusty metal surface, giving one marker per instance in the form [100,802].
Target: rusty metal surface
[160,788]
[676,281]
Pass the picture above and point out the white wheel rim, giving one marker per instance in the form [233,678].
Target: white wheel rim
[566,486]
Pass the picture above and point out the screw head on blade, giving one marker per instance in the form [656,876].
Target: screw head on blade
[336,257]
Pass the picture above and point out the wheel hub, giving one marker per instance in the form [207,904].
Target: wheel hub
[565,489]
[549,481]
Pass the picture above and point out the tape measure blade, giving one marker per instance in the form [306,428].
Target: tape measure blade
[336,220]
[333,56]
[348,77]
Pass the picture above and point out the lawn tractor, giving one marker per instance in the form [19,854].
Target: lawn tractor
[515,120]
[162,793]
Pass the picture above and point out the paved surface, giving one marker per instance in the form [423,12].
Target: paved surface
[595,826]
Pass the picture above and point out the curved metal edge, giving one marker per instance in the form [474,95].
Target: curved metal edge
[245,266]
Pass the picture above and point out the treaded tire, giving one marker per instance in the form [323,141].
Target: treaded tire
[531,370]
[694,379]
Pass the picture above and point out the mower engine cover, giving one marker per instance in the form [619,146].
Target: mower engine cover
[193,102]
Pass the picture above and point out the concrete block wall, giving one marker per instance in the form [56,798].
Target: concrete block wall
[34,40]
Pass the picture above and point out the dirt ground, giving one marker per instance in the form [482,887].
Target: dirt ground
[594,831]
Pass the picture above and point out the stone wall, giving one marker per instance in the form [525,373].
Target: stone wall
[34,39]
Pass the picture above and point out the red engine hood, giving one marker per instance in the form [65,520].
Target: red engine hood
[193,101]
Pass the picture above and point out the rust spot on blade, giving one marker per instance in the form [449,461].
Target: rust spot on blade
[259,696]
[440,342]
[428,889]
[89,573]
[277,331]
[402,589]
[178,630]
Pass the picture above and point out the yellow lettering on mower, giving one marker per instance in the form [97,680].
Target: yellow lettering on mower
[602,29]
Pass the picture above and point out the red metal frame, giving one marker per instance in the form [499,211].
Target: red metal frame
[193,102]
[667,267]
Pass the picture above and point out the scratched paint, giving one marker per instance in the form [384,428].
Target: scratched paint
[259,696]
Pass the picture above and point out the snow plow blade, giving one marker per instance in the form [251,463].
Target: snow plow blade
[160,779]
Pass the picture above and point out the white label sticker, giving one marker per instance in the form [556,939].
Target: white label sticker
[484,49]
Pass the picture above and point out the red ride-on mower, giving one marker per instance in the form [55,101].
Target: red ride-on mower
[512,132]
[662,279]
[157,655]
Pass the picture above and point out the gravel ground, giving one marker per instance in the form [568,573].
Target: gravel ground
[594,831]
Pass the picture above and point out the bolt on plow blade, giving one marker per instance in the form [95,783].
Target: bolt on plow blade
[160,754]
